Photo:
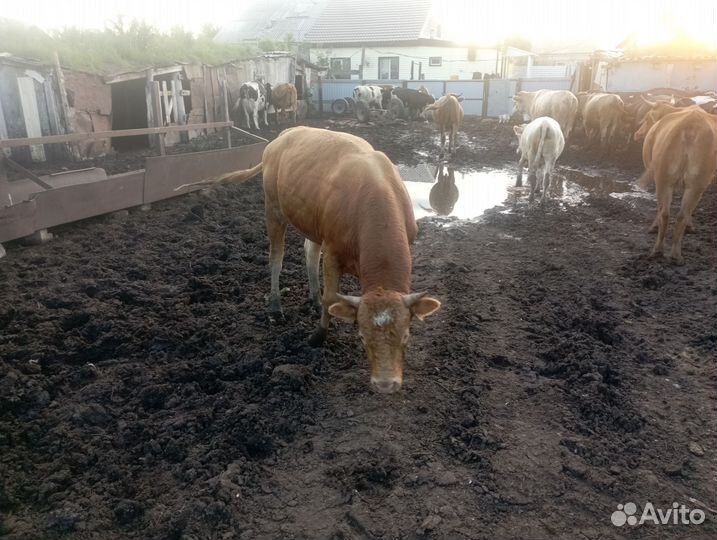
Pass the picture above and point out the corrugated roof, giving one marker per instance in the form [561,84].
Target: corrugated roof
[272,19]
[366,21]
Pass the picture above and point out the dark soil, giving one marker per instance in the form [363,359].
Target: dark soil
[144,393]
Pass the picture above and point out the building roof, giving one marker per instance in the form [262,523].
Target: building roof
[371,21]
[272,20]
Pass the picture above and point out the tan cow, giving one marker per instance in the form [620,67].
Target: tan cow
[679,150]
[448,116]
[560,105]
[657,111]
[603,116]
[282,98]
[350,204]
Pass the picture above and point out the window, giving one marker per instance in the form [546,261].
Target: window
[435,61]
[388,67]
[340,68]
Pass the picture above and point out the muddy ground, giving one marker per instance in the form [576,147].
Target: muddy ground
[145,394]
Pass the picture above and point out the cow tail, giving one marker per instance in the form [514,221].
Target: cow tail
[647,178]
[543,134]
[233,177]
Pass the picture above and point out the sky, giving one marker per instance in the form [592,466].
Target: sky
[603,23]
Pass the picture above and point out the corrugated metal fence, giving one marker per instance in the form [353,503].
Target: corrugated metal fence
[488,98]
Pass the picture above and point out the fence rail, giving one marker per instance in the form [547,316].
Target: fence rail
[74,137]
[488,98]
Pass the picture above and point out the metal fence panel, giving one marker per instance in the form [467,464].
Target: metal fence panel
[472,92]
[434,87]
[500,96]
[532,85]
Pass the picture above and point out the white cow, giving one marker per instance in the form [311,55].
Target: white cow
[540,144]
[560,105]
[252,101]
[373,95]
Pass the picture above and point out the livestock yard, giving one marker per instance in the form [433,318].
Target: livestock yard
[218,224]
[147,394]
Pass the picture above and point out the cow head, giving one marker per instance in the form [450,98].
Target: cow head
[384,318]
[658,111]
[267,92]
[520,103]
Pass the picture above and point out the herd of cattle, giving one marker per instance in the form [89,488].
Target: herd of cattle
[349,203]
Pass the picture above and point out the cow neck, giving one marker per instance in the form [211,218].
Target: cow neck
[384,257]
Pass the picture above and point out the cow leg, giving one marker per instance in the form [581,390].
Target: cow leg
[266,122]
[519,180]
[546,185]
[531,181]
[276,230]
[664,197]
[312,251]
[690,199]
[443,140]
[332,277]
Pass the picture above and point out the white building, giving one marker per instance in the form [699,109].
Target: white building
[398,39]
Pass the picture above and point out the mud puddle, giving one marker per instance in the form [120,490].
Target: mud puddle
[439,190]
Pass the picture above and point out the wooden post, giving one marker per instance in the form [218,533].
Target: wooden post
[363,58]
[66,111]
[157,106]
[181,114]
[321,97]
[165,100]
[4,185]
[148,85]
[225,99]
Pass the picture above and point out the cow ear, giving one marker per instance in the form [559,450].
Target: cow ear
[346,308]
[518,130]
[421,306]
[424,307]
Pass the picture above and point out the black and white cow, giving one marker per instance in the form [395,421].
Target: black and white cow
[373,95]
[252,100]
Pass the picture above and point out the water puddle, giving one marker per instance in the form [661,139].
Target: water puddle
[439,190]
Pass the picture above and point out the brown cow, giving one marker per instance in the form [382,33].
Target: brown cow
[448,116]
[657,111]
[350,204]
[282,98]
[679,150]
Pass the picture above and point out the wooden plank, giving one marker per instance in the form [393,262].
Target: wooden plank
[167,104]
[163,174]
[18,220]
[24,189]
[28,174]
[179,96]
[148,78]
[157,104]
[72,203]
[28,99]
[225,96]
[133,75]
[3,132]
[9,143]
[65,104]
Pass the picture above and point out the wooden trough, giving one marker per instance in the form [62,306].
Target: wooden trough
[32,205]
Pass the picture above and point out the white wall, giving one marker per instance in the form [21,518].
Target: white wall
[454,60]
[641,76]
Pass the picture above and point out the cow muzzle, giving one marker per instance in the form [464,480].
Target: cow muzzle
[386,385]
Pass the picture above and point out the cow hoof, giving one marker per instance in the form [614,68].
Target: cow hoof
[652,229]
[678,260]
[655,254]
[318,338]
[690,229]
